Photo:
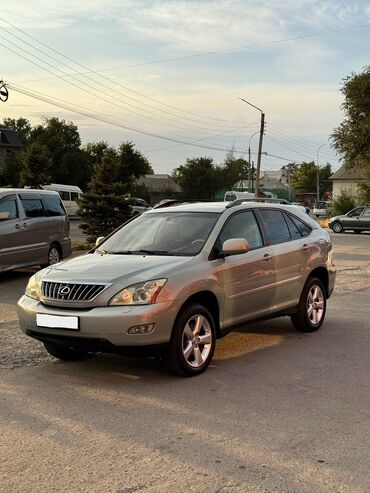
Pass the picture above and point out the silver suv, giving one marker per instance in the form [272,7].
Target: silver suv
[175,279]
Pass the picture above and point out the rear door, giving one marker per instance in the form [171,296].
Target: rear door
[11,240]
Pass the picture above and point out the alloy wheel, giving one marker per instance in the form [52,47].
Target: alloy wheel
[197,340]
[54,256]
[315,304]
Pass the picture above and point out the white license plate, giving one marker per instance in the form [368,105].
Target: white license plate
[57,321]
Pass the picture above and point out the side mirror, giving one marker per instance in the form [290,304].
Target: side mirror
[235,246]
[99,240]
[4,216]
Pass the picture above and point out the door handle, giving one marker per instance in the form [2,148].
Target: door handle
[25,226]
[17,226]
[267,257]
[305,247]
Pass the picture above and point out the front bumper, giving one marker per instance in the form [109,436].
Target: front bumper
[107,324]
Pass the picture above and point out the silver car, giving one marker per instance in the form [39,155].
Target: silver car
[34,228]
[173,280]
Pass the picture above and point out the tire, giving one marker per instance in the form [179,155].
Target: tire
[186,355]
[64,353]
[54,256]
[311,308]
[337,227]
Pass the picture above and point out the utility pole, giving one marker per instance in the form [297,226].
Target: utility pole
[318,173]
[262,129]
[249,160]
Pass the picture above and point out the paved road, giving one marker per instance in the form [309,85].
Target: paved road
[276,412]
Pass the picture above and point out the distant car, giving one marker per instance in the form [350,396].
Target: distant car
[322,208]
[138,206]
[175,279]
[301,204]
[356,220]
[34,228]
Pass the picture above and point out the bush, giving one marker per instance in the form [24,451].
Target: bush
[344,203]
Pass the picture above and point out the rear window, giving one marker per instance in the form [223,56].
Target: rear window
[53,205]
[320,205]
[33,207]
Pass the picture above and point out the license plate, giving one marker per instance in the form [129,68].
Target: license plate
[57,321]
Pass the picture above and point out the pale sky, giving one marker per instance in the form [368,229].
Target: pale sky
[175,69]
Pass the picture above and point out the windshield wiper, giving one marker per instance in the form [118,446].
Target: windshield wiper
[154,252]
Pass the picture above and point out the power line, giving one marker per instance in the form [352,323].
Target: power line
[98,95]
[102,118]
[106,78]
[287,146]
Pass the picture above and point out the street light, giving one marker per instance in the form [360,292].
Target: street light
[317,173]
[256,190]
[249,160]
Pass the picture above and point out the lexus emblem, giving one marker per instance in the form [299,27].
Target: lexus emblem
[64,290]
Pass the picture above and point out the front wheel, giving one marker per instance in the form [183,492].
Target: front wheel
[64,353]
[311,308]
[337,227]
[193,342]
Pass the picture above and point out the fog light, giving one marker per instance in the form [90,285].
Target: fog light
[141,329]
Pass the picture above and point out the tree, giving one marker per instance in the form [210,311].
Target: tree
[352,137]
[22,126]
[305,178]
[232,171]
[132,163]
[35,166]
[105,206]
[343,203]
[289,170]
[199,178]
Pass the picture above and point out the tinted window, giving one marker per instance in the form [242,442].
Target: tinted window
[33,207]
[242,225]
[74,196]
[355,212]
[303,228]
[53,205]
[9,204]
[294,231]
[64,195]
[275,225]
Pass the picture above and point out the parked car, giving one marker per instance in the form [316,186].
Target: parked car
[34,228]
[356,220]
[301,204]
[138,206]
[322,208]
[176,279]
[69,195]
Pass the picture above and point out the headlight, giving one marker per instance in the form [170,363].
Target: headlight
[143,293]
[33,289]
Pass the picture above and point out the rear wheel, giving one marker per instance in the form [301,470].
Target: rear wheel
[54,256]
[193,342]
[312,306]
[64,353]
[337,227]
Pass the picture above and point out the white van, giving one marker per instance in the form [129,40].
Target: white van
[232,195]
[69,195]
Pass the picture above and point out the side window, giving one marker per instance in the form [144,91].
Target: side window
[294,231]
[276,228]
[53,205]
[33,207]
[356,212]
[74,196]
[367,211]
[303,228]
[242,225]
[9,204]
[64,195]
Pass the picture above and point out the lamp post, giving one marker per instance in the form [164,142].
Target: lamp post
[259,155]
[317,173]
[249,160]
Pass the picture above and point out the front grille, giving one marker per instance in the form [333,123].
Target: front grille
[62,291]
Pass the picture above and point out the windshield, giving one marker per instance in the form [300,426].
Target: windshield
[164,233]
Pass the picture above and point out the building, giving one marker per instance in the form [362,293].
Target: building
[347,179]
[158,187]
[9,141]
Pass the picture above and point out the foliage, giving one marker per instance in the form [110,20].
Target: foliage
[290,170]
[305,178]
[364,189]
[343,203]
[199,178]
[105,206]
[35,166]
[133,163]
[352,137]
[233,170]
[22,126]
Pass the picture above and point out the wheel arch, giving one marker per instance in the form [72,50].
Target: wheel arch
[322,274]
[209,300]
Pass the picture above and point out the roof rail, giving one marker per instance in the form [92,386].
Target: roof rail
[236,202]
[173,202]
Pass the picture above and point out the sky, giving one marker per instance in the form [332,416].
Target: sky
[168,75]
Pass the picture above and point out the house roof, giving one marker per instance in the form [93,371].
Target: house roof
[9,138]
[159,183]
[345,173]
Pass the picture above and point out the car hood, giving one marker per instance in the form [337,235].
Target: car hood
[114,268]
[334,218]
